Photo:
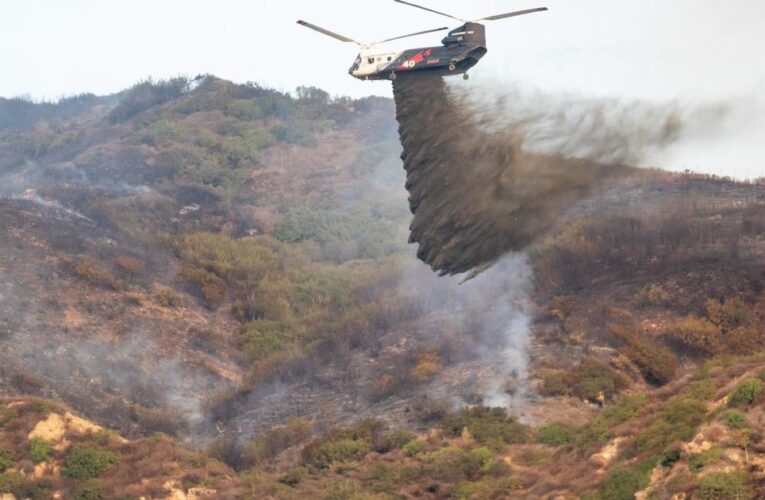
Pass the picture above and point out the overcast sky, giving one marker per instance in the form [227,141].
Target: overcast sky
[694,51]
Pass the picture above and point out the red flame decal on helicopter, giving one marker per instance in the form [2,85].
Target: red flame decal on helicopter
[415,59]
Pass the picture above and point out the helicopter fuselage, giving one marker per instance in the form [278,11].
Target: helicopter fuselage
[460,50]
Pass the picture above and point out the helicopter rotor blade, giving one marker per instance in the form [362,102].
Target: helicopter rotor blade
[327,32]
[429,10]
[414,34]
[512,14]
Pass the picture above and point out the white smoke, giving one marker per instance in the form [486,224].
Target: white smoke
[32,196]
[491,313]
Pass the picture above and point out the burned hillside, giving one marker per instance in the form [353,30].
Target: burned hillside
[227,264]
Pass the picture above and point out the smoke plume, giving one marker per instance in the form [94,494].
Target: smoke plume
[492,313]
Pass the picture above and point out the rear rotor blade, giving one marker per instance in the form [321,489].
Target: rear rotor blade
[414,34]
[429,10]
[327,32]
[512,14]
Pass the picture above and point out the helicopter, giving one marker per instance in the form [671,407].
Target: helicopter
[460,50]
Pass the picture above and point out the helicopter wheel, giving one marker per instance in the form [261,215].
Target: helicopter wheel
[452,67]
[465,76]
[392,75]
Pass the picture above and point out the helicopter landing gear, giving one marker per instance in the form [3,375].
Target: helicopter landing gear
[452,67]
[465,76]
[392,76]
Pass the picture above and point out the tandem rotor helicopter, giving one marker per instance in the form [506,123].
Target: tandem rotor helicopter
[461,49]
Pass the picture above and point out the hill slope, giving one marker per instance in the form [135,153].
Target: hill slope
[210,260]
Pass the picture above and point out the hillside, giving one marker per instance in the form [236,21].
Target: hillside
[47,451]
[227,265]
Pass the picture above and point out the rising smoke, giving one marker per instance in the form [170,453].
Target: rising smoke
[492,312]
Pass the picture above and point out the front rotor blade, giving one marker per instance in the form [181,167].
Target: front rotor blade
[327,32]
[512,14]
[414,34]
[429,10]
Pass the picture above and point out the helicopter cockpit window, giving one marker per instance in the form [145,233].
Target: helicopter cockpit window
[371,60]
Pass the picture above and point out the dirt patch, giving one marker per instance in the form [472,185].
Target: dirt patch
[56,427]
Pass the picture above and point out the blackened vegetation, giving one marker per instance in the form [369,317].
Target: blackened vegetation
[475,194]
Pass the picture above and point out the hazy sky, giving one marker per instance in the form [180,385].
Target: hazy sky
[688,50]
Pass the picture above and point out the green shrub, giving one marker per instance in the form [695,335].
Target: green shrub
[532,457]
[265,338]
[7,415]
[678,422]
[383,478]
[160,131]
[555,435]
[724,485]
[86,461]
[6,459]
[354,443]
[239,153]
[342,236]
[488,426]
[297,132]
[698,461]
[599,430]
[322,453]
[745,393]
[496,468]
[670,457]
[734,419]
[342,489]
[702,390]
[90,490]
[10,481]
[245,109]
[293,477]
[39,406]
[622,484]
[400,438]
[243,263]
[588,381]
[454,464]
[483,454]
[34,490]
[412,448]
[39,450]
